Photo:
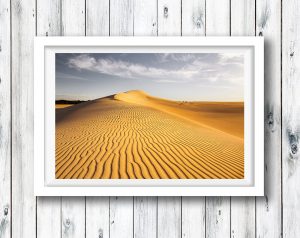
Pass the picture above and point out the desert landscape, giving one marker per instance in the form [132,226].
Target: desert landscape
[133,135]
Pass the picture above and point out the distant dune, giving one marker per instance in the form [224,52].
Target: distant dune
[133,135]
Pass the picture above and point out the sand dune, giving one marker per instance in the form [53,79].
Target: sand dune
[134,136]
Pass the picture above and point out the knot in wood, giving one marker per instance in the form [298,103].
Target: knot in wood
[100,233]
[166,10]
[68,222]
[270,120]
[198,22]
[6,210]
[294,148]
[293,141]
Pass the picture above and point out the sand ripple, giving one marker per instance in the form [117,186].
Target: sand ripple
[111,138]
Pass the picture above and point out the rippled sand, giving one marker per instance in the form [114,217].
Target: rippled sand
[133,135]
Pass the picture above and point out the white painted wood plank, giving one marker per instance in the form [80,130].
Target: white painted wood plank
[48,217]
[217,217]
[48,209]
[73,17]
[145,17]
[217,18]
[73,217]
[242,208]
[23,200]
[121,217]
[169,217]
[169,17]
[218,208]
[48,18]
[145,208]
[268,208]
[5,120]
[97,217]
[290,117]
[193,217]
[73,209]
[193,208]
[242,17]
[97,18]
[193,17]
[242,217]
[145,217]
[121,17]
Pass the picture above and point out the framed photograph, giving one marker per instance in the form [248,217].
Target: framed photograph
[149,116]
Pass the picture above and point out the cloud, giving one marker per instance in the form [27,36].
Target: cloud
[125,69]
[169,68]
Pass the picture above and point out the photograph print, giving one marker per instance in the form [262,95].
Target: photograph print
[149,115]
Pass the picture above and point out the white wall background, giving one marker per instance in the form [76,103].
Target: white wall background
[275,215]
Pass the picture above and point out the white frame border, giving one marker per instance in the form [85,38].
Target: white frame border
[55,187]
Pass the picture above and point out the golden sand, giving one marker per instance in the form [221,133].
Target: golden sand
[133,135]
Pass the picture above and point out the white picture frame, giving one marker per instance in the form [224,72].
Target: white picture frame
[45,183]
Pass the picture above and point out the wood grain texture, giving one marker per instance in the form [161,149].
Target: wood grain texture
[217,217]
[145,17]
[121,217]
[97,217]
[97,18]
[48,223]
[169,17]
[73,217]
[23,202]
[268,208]
[48,23]
[242,208]
[169,217]
[193,217]
[193,17]
[73,17]
[145,217]
[5,120]
[290,118]
[217,18]
[121,17]
[242,18]
[218,208]
[48,19]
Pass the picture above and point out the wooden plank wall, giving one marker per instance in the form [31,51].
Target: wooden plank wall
[274,215]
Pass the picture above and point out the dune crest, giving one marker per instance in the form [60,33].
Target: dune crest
[133,135]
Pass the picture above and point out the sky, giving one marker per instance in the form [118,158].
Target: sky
[175,76]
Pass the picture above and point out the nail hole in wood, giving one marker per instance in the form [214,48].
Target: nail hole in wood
[292,54]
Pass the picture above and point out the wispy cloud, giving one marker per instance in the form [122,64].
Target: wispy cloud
[188,67]
[127,69]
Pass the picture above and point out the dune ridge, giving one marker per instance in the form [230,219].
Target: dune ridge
[133,135]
